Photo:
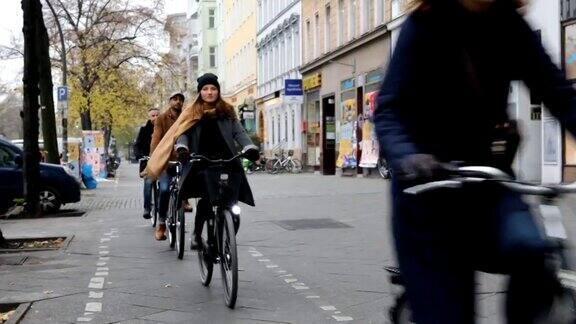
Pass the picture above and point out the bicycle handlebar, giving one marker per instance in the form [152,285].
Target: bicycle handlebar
[478,174]
[196,158]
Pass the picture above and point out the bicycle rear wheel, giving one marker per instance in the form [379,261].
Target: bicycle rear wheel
[296,166]
[383,168]
[228,258]
[180,231]
[171,219]
[563,308]
[205,257]
[154,207]
[269,166]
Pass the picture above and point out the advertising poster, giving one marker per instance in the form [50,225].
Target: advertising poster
[570,51]
[347,152]
[369,141]
[74,157]
[93,152]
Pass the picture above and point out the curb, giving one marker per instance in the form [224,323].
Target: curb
[64,246]
[19,314]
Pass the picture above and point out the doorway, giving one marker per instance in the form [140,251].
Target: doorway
[328,135]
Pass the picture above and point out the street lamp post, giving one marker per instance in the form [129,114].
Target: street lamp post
[64,111]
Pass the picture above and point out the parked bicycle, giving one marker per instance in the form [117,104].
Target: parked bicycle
[251,167]
[564,308]
[383,168]
[283,163]
[219,231]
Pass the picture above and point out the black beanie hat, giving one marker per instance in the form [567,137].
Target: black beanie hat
[208,78]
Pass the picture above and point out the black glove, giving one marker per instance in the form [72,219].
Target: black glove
[183,155]
[251,153]
[419,166]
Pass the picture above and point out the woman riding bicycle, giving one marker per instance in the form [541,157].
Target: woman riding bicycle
[216,136]
[476,48]
[211,128]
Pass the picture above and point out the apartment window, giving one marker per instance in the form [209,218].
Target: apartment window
[296,37]
[352,20]
[341,22]
[379,12]
[211,18]
[289,48]
[194,65]
[212,50]
[317,35]
[396,8]
[282,57]
[327,29]
[368,9]
[308,41]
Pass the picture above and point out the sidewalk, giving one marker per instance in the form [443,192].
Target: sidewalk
[55,281]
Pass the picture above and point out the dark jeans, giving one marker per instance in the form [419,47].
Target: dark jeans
[148,194]
[443,238]
[164,196]
[203,211]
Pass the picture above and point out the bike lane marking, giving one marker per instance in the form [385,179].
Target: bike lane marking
[296,284]
[98,280]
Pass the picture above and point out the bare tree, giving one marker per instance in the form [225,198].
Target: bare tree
[15,50]
[10,107]
[104,35]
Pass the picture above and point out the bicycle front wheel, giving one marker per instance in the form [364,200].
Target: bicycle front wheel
[180,231]
[228,258]
[205,258]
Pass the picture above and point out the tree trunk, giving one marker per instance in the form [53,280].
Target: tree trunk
[85,118]
[32,11]
[46,95]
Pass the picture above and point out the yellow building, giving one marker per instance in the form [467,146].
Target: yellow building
[238,73]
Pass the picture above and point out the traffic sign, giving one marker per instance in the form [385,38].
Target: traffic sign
[63,93]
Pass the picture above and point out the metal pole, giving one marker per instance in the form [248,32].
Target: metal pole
[64,111]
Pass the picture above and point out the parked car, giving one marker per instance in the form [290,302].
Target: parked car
[58,186]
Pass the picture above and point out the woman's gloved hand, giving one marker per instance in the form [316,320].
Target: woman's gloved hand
[183,155]
[251,152]
[419,166]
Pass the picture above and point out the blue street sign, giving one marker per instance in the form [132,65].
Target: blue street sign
[293,87]
[63,93]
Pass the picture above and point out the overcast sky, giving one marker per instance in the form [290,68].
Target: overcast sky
[11,25]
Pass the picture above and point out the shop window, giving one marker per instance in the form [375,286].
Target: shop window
[570,51]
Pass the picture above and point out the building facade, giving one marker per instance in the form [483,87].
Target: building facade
[565,53]
[278,44]
[193,48]
[238,70]
[173,77]
[208,49]
[346,43]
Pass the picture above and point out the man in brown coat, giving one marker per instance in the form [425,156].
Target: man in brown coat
[161,126]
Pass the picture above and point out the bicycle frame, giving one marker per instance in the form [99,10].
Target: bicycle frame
[561,264]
